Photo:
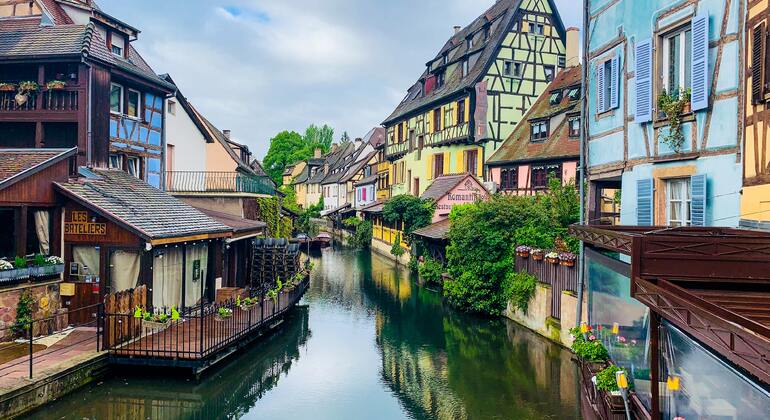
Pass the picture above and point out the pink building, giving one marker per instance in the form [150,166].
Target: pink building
[545,143]
[450,190]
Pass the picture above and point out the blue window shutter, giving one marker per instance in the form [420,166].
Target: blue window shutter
[644,201]
[643,74]
[698,197]
[700,64]
[615,83]
[600,88]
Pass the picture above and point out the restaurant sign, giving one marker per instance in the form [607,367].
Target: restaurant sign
[82,225]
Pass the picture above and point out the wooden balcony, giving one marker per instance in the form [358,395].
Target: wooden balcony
[394,150]
[46,104]
[449,135]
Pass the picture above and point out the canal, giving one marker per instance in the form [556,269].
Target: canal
[367,343]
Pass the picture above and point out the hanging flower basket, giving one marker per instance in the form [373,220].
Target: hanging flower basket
[567,259]
[7,87]
[537,254]
[523,251]
[56,85]
[248,303]
[223,314]
[552,258]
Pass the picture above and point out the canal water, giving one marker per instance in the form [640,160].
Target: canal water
[367,343]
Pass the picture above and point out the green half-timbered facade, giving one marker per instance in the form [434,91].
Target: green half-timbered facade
[473,93]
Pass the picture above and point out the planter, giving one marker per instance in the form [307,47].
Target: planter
[15,274]
[567,263]
[687,108]
[614,402]
[154,326]
[538,257]
[524,254]
[248,307]
[56,86]
[552,260]
[46,270]
[8,88]
[220,318]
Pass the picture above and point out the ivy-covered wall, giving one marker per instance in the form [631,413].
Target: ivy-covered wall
[268,211]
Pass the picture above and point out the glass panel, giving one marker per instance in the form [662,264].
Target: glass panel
[116,93]
[609,303]
[708,387]
[88,260]
[133,104]
[674,63]
[687,59]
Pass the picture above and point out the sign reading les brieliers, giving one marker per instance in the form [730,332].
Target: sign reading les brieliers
[82,225]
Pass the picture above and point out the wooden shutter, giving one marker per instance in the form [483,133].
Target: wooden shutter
[643,112]
[600,88]
[698,197]
[460,159]
[431,167]
[700,66]
[615,83]
[446,164]
[758,64]
[644,202]
[480,162]
[467,110]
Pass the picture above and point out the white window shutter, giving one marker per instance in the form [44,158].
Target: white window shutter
[600,88]
[643,74]
[700,65]
[614,97]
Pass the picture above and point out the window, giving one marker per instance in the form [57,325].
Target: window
[445,59]
[541,173]
[471,161]
[440,79]
[539,29]
[461,112]
[116,98]
[438,165]
[677,60]
[465,68]
[134,103]
[555,98]
[134,167]
[678,202]
[574,94]
[607,84]
[574,127]
[509,179]
[549,73]
[172,107]
[400,133]
[437,120]
[539,131]
[118,44]
[116,162]
[562,61]
[508,68]
[470,42]
[448,117]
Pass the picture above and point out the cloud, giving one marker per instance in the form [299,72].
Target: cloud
[258,67]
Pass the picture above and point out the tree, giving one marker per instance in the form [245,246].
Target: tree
[286,148]
[318,138]
[413,212]
[345,137]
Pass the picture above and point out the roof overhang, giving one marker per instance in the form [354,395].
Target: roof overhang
[65,153]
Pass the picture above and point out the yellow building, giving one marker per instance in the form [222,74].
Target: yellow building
[755,201]
[473,93]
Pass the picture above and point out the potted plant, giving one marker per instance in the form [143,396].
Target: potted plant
[56,85]
[591,352]
[606,381]
[152,321]
[672,107]
[223,314]
[552,258]
[7,87]
[24,90]
[523,251]
[17,270]
[538,254]
[567,259]
[246,303]
[43,266]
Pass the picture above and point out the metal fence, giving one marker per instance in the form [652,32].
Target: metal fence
[560,277]
[200,332]
[217,182]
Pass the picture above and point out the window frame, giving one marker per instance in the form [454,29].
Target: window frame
[465,68]
[119,159]
[685,203]
[539,137]
[572,132]
[138,160]
[685,57]
[461,112]
[509,178]
[120,101]
[553,72]
[438,163]
[138,115]
[448,120]
[470,158]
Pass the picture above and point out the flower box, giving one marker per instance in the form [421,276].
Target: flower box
[614,401]
[56,85]
[523,254]
[245,307]
[46,270]
[15,274]
[567,263]
[7,88]
[220,318]
[153,326]
[552,260]
[538,257]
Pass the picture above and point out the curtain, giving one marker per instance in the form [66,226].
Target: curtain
[42,228]
[167,277]
[88,259]
[193,277]
[124,270]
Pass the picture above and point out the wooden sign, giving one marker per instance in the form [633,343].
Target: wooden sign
[80,224]
[67,289]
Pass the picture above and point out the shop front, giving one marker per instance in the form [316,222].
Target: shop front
[120,233]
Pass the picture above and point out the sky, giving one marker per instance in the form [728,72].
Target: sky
[258,67]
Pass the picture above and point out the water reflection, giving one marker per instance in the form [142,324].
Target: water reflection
[381,347]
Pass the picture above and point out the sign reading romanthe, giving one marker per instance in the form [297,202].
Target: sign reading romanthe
[81,225]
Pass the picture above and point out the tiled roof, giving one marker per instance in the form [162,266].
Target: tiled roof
[134,65]
[149,212]
[358,166]
[59,16]
[302,177]
[442,185]
[499,17]
[438,230]
[518,147]
[371,179]
[29,39]
[376,136]
[375,207]
[239,225]
[16,164]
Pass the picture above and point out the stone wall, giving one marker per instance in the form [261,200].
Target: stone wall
[383,248]
[47,302]
[538,316]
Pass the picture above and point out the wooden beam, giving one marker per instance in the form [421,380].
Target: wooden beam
[191,238]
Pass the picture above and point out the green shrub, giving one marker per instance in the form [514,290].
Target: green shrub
[24,312]
[414,264]
[522,289]
[352,222]
[362,237]
[590,350]
[410,212]
[19,262]
[606,379]
[431,271]
[397,249]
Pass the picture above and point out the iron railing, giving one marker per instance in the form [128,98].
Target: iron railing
[198,334]
[217,182]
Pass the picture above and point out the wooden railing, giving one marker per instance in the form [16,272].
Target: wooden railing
[393,149]
[8,102]
[59,100]
[448,134]
[560,277]
[389,235]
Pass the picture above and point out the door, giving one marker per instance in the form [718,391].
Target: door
[84,272]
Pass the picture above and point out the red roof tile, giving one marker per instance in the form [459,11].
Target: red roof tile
[14,163]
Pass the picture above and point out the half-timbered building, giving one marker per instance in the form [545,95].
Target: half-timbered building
[473,93]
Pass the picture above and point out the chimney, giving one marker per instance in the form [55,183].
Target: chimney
[457,29]
[226,133]
[334,147]
[317,153]
[573,47]
[358,142]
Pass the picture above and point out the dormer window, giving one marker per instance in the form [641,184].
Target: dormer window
[470,42]
[574,94]
[539,131]
[117,44]
[440,79]
[574,127]
[555,98]
[465,68]
[445,59]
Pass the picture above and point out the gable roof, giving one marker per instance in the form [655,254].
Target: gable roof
[18,164]
[148,212]
[499,18]
[358,166]
[444,184]
[518,147]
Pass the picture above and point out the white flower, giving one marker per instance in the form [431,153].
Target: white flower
[54,260]
[5,265]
